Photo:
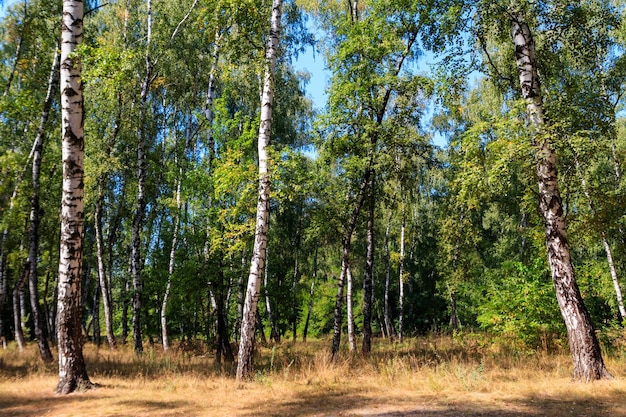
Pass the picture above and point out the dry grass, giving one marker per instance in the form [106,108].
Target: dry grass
[435,376]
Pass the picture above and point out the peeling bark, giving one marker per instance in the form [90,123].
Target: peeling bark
[246,346]
[72,369]
[584,346]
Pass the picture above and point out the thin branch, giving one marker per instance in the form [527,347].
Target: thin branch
[175,32]
[483,46]
[88,12]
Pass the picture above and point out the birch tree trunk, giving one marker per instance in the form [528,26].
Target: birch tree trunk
[350,308]
[368,281]
[172,264]
[401,279]
[311,292]
[584,346]
[246,345]
[102,277]
[35,215]
[104,280]
[387,325]
[72,369]
[17,312]
[176,220]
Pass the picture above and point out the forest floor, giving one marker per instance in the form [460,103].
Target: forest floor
[434,377]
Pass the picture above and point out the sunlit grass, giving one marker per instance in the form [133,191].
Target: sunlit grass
[435,376]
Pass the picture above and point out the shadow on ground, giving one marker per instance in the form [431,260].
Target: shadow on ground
[349,404]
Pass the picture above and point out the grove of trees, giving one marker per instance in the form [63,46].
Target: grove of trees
[206,199]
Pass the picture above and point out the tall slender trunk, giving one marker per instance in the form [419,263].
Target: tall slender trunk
[241,290]
[5,236]
[210,97]
[125,304]
[18,53]
[104,281]
[294,286]
[95,314]
[346,245]
[246,345]
[455,322]
[223,340]
[311,292]
[350,308]
[176,220]
[605,242]
[584,346]
[102,277]
[17,311]
[401,277]
[72,369]
[368,280]
[140,205]
[3,293]
[35,214]
[387,324]
[172,264]
[274,333]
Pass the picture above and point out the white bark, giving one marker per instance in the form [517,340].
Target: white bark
[350,309]
[72,371]
[401,280]
[584,346]
[246,345]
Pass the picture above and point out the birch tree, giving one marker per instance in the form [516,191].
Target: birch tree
[72,369]
[584,346]
[248,324]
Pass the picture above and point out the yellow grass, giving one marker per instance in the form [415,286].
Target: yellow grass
[435,376]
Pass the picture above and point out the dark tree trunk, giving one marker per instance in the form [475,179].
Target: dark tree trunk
[346,245]
[223,339]
[311,292]
[35,216]
[17,311]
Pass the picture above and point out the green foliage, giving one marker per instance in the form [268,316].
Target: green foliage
[519,302]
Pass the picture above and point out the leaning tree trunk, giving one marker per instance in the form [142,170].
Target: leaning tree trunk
[72,369]
[246,345]
[102,277]
[35,215]
[584,346]
[346,245]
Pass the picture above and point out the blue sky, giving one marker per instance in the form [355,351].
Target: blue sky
[313,62]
